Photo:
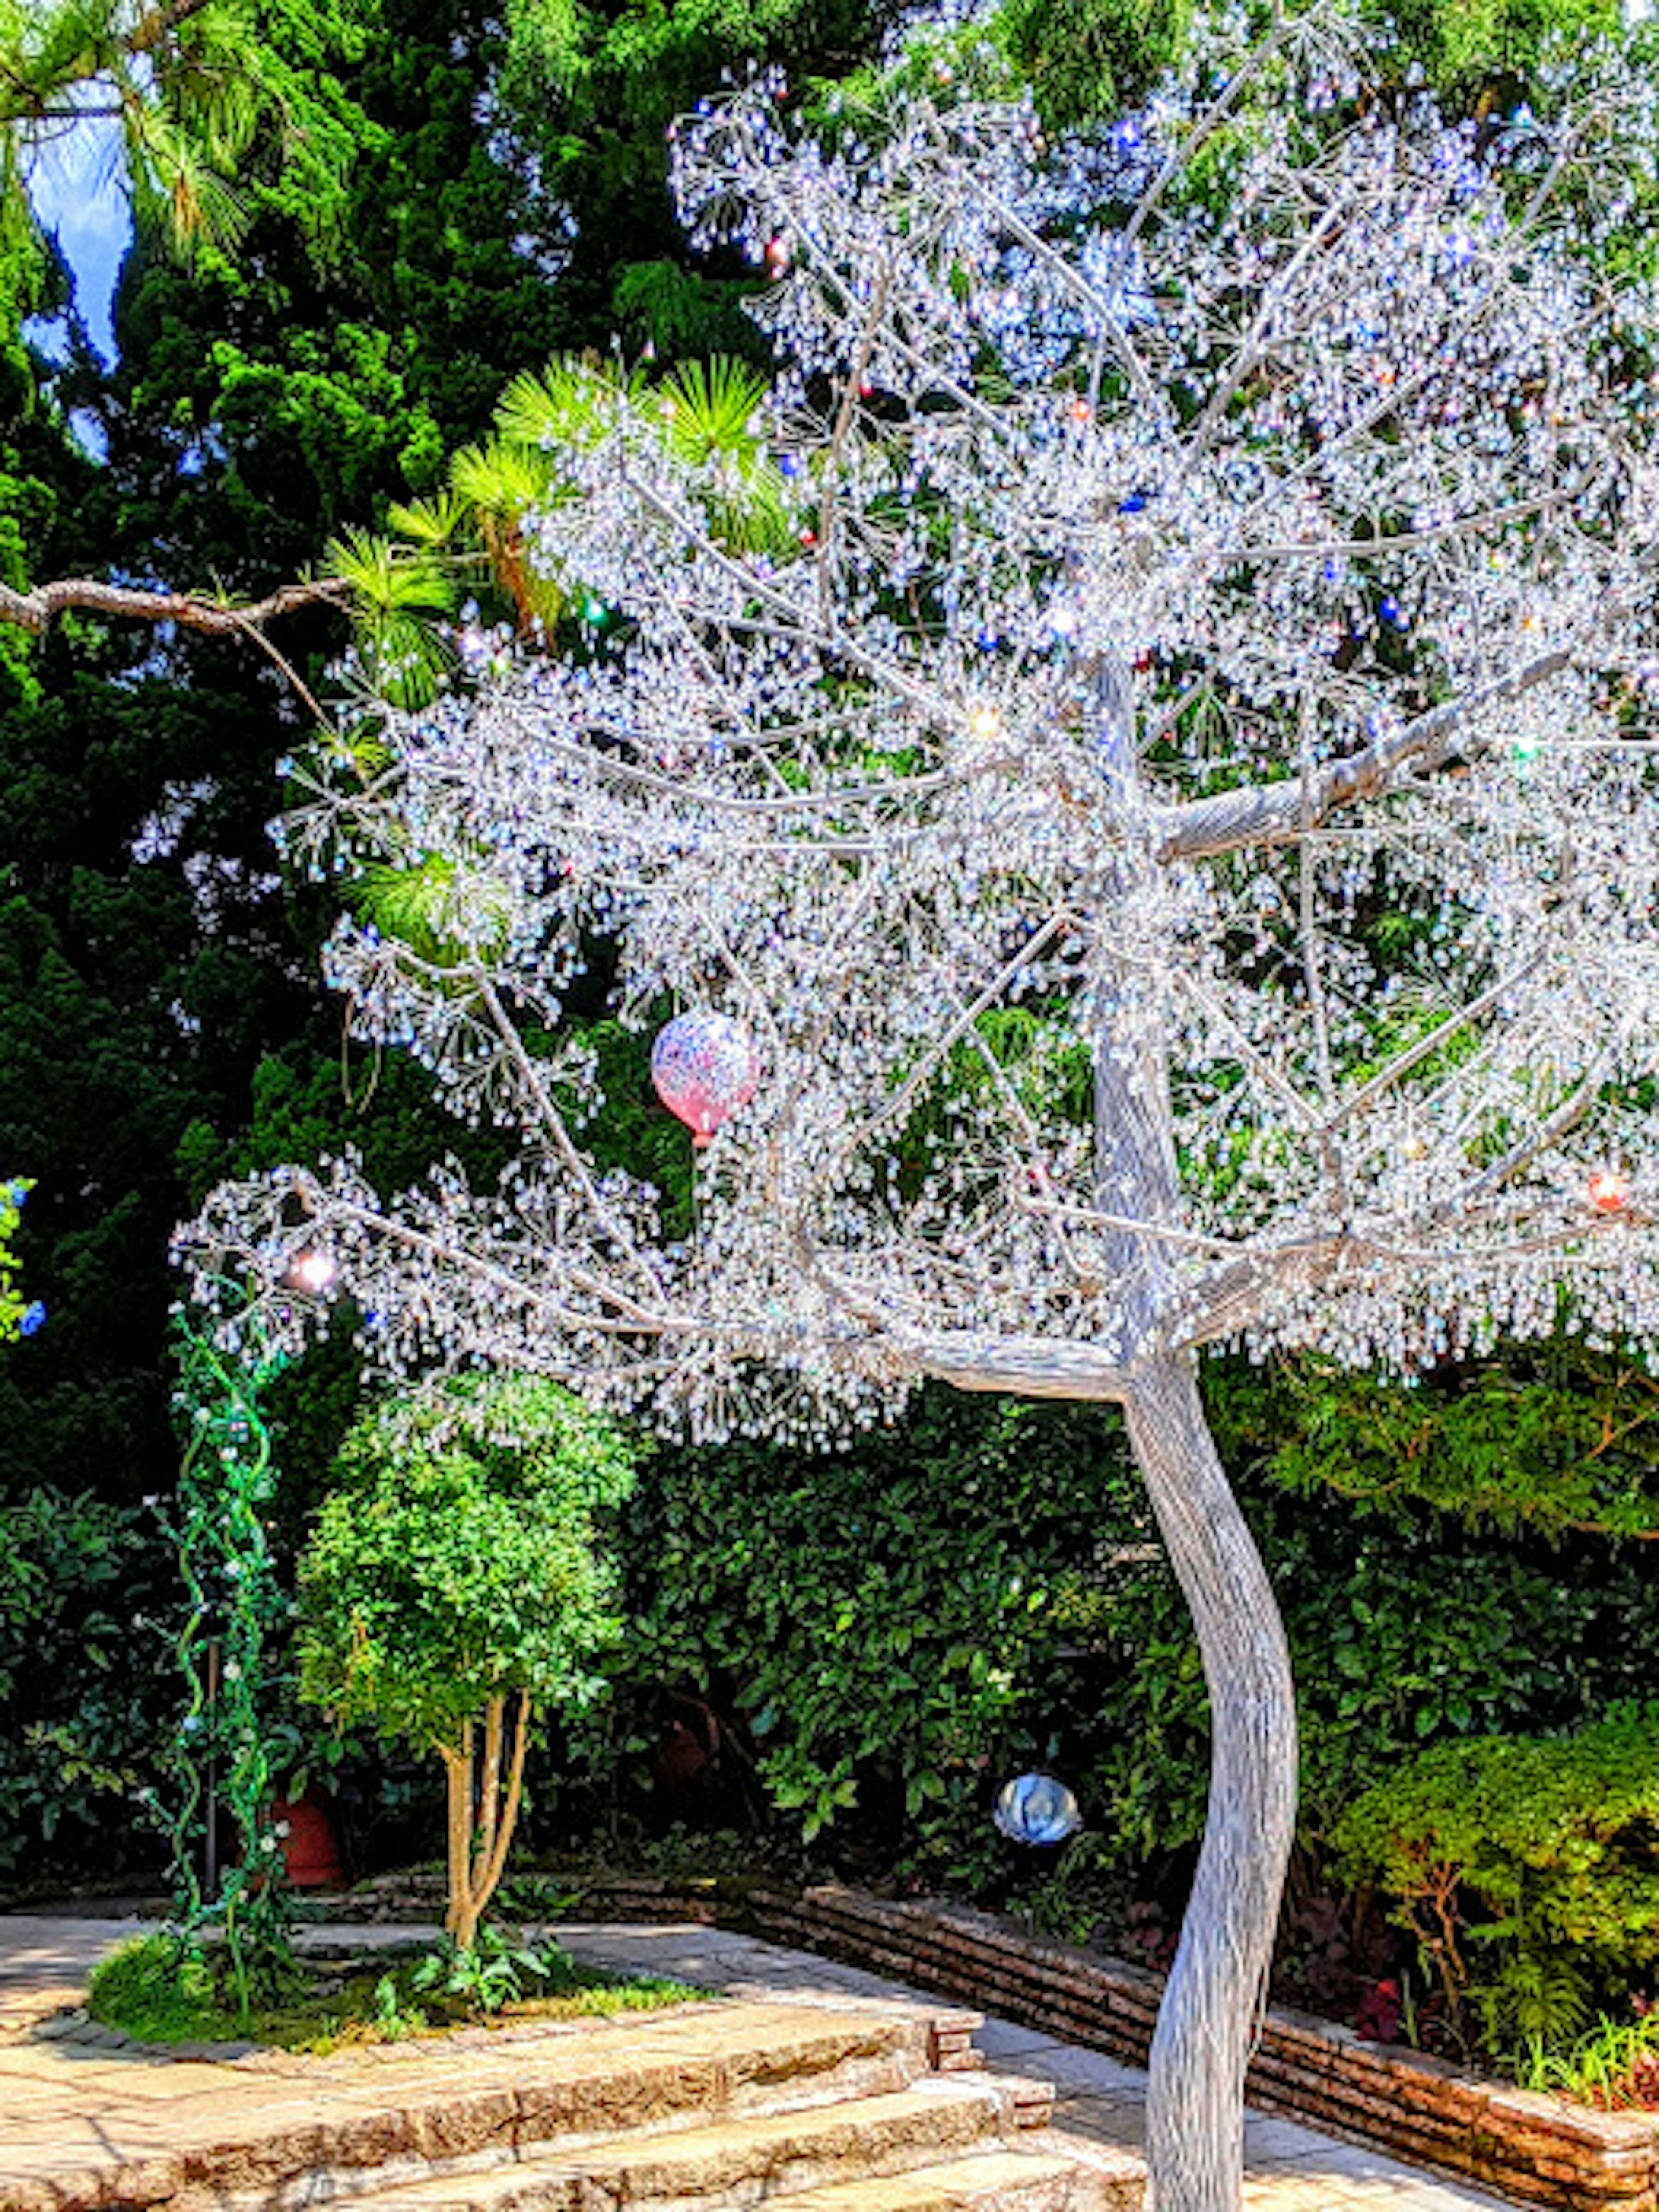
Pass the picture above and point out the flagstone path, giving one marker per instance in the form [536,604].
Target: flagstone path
[45,1961]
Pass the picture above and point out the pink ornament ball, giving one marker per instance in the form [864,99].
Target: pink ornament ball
[703,1067]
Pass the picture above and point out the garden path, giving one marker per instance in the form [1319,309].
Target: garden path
[45,1961]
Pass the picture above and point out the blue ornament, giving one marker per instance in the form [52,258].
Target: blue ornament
[1034,1809]
[31,1318]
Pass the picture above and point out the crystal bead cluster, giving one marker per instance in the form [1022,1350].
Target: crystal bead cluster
[1206,662]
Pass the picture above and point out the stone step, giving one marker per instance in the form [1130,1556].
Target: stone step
[1034,2180]
[735,2163]
[263,2130]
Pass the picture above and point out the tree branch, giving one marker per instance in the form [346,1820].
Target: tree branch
[161,22]
[1034,1366]
[37,609]
[1275,813]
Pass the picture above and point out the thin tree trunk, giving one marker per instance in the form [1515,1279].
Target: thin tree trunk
[491,1872]
[490,1785]
[457,1780]
[1211,2007]
[482,1813]
[1196,2100]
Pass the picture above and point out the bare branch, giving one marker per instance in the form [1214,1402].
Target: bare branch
[1257,815]
[36,609]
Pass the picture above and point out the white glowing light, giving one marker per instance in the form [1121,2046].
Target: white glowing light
[314,1273]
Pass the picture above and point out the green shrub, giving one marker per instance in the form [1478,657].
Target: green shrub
[1527,1869]
[874,1629]
[89,1594]
[885,1632]
[455,1585]
[157,1988]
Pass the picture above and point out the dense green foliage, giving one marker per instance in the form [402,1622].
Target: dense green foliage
[881,1636]
[194,90]
[458,1562]
[1556,1438]
[88,1596]
[1525,1868]
[878,1632]
[1402,1634]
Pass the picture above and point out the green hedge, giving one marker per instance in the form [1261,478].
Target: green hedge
[89,1690]
[1528,1869]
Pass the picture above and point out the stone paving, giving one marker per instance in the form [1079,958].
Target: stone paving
[44,1963]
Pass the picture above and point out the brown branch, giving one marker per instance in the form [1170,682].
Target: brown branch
[36,610]
[485,1889]
[149,30]
[489,1789]
[458,1791]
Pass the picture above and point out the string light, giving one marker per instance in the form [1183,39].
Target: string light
[314,1273]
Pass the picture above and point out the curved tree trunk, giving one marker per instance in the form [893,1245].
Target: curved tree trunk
[1207,2023]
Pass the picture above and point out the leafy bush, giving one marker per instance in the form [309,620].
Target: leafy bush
[157,1988]
[1408,1628]
[882,1635]
[1526,1869]
[1551,1438]
[459,1571]
[873,1633]
[491,1973]
[88,1693]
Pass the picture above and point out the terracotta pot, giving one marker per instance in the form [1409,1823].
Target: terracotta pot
[310,1851]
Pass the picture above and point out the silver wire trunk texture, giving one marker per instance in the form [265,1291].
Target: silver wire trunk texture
[1207,2022]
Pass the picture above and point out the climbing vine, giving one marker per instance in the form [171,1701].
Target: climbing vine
[235,1601]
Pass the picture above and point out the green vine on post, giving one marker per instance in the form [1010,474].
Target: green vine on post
[235,1601]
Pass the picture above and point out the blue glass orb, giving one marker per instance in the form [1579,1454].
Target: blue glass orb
[1034,1809]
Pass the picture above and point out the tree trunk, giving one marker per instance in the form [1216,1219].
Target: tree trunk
[1211,2008]
[460,1919]
[1208,2019]
[482,1812]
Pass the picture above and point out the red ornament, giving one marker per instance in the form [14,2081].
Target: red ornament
[1610,1190]
[703,1067]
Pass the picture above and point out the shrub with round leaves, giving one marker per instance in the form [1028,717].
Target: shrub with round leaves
[458,1562]
[1525,1867]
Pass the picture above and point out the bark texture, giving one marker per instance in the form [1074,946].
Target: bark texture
[1211,2008]
[483,1809]
[36,610]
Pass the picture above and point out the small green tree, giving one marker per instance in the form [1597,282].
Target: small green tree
[453,1586]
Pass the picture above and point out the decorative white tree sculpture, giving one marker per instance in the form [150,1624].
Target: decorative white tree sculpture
[1174,813]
